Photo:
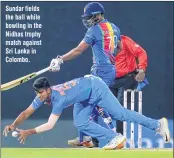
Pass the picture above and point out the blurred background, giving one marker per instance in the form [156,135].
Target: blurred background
[150,24]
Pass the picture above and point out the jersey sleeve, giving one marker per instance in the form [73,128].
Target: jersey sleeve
[89,37]
[58,107]
[37,103]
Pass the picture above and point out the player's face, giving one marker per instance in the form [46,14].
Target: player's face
[43,94]
[91,20]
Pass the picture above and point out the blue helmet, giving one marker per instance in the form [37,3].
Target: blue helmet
[92,9]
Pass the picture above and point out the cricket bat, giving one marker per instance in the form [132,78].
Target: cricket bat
[21,80]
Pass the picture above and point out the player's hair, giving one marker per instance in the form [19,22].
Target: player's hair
[41,83]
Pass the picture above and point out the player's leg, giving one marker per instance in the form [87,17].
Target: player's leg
[81,114]
[110,103]
[83,139]
[106,118]
[100,72]
[82,121]
[117,87]
[105,121]
[119,124]
[107,74]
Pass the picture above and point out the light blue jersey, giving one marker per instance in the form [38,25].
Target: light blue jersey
[64,95]
[85,94]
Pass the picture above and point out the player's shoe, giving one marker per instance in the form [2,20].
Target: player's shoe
[87,142]
[164,130]
[116,143]
[74,142]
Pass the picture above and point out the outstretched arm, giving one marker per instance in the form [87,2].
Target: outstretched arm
[22,117]
[55,63]
[42,128]
[76,51]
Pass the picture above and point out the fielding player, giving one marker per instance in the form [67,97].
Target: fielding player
[104,39]
[85,93]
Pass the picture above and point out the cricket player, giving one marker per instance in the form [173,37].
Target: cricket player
[84,93]
[104,39]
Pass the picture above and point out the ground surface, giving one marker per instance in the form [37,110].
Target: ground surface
[84,153]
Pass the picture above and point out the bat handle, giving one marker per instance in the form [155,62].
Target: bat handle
[42,71]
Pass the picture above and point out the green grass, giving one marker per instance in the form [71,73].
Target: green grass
[84,153]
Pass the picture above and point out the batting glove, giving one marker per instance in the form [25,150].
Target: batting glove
[55,64]
[60,60]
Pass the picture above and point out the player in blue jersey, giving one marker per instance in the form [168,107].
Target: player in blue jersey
[84,93]
[104,39]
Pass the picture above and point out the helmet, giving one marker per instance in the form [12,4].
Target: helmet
[92,9]
[90,12]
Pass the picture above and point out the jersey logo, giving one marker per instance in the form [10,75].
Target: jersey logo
[63,87]
[110,39]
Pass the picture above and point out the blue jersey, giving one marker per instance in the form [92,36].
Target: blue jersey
[103,39]
[64,95]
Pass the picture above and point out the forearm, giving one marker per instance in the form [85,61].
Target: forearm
[49,125]
[21,118]
[39,129]
[43,128]
[71,54]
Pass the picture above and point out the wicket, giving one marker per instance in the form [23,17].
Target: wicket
[132,134]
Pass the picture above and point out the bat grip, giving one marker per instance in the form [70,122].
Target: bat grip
[42,71]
